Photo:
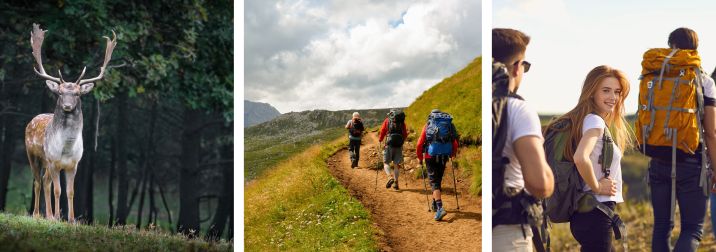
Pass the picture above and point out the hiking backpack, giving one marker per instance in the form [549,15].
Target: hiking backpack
[670,102]
[396,120]
[671,107]
[569,196]
[439,134]
[509,205]
[356,129]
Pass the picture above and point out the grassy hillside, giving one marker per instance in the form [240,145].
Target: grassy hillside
[460,95]
[269,143]
[310,210]
[23,233]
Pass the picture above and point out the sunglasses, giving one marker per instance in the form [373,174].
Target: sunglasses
[526,65]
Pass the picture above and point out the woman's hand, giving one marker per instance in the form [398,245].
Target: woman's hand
[607,186]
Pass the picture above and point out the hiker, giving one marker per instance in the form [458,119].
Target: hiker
[355,133]
[517,139]
[394,132]
[597,155]
[437,144]
[674,121]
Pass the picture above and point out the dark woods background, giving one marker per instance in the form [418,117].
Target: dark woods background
[164,143]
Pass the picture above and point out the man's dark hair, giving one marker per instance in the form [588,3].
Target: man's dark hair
[683,38]
[507,44]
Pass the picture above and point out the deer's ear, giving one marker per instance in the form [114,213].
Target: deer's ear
[53,86]
[86,88]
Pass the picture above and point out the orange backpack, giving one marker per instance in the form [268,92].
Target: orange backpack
[670,101]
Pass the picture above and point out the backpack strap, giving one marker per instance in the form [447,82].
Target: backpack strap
[704,177]
[606,158]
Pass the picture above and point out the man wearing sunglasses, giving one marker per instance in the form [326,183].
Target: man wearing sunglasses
[521,133]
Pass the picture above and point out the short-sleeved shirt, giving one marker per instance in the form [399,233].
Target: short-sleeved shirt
[521,121]
[592,121]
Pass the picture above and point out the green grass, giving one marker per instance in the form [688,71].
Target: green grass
[23,233]
[261,153]
[639,218]
[299,206]
[460,95]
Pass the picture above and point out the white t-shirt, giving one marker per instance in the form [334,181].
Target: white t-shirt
[592,121]
[521,121]
[709,88]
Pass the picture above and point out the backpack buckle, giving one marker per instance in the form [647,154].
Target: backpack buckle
[643,107]
[681,73]
[650,84]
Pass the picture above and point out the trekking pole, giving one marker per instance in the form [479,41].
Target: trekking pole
[422,172]
[454,183]
[378,167]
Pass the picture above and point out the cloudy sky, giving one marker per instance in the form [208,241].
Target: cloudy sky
[569,38]
[304,55]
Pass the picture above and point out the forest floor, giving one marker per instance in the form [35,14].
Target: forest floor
[24,233]
[401,217]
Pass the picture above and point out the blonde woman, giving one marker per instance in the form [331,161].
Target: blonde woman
[600,109]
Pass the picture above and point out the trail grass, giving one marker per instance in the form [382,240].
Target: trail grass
[23,233]
[299,206]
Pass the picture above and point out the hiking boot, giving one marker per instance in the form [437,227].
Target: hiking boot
[439,214]
[390,183]
[395,186]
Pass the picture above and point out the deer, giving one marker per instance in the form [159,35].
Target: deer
[54,140]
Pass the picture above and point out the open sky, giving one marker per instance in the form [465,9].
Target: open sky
[569,38]
[331,54]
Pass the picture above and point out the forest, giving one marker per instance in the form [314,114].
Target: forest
[158,128]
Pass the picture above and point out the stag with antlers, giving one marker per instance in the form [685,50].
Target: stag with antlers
[54,141]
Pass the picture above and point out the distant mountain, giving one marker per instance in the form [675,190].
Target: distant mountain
[310,122]
[461,96]
[258,112]
[270,142]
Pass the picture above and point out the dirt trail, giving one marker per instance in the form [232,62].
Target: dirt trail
[401,217]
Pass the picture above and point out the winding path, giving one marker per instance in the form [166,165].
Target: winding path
[401,217]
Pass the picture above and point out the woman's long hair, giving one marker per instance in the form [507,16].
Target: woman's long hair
[621,132]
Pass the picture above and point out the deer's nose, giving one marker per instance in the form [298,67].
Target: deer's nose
[66,107]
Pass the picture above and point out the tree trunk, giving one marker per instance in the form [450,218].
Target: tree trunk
[188,223]
[226,200]
[113,162]
[141,198]
[122,180]
[8,148]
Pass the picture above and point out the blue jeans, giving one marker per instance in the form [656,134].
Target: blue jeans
[690,198]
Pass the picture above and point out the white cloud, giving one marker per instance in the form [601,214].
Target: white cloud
[569,38]
[357,57]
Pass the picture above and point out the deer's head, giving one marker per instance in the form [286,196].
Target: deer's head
[68,92]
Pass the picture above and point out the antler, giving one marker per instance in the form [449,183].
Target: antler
[36,37]
[107,56]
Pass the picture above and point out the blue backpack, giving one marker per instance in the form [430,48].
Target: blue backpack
[440,134]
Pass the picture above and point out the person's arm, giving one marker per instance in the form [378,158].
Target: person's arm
[383,130]
[419,145]
[539,180]
[405,131]
[348,125]
[605,186]
[710,135]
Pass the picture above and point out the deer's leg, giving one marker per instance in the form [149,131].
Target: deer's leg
[58,190]
[47,182]
[35,167]
[70,179]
